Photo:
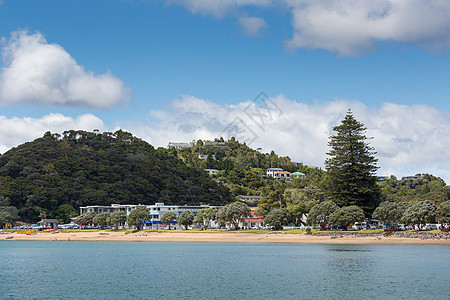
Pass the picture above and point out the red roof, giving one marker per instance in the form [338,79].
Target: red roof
[253,220]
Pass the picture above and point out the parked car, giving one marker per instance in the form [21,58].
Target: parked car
[431,227]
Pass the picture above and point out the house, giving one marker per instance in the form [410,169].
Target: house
[270,171]
[298,175]
[212,172]
[205,156]
[418,176]
[178,145]
[252,222]
[249,199]
[221,144]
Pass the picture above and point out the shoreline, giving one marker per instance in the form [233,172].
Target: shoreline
[228,237]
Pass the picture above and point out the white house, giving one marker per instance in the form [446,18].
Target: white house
[127,208]
[270,172]
[249,199]
[212,171]
[205,156]
[278,173]
[178,145]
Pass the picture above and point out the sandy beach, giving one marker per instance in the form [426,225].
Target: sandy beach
[219,237]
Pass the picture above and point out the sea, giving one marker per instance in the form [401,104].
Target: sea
[170,270]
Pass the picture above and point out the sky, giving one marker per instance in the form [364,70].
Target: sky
[278,75]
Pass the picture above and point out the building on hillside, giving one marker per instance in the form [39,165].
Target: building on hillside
[271,171]
[298,175]
[382,178]
[418,176]
[212,172]
[249,199]
[178,145]
[205,156]
[221,144]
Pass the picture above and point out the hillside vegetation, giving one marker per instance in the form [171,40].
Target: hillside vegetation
[56,174]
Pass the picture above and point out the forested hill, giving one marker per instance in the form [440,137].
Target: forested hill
[57,174]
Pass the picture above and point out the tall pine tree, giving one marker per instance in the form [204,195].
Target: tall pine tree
[351,167]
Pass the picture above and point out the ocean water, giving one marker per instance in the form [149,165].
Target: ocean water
[153,270]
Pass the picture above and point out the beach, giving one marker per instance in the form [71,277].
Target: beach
[224,237]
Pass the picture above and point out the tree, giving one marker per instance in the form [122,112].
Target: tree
[117,218]
[443,212]
[186,218]
[347,215]
[320,213]
[102,219]
[205,215]
[8,214]
[232,214]
[168,217]
[420,213]
[138,216]
[277,217]
[86,218]
[390,212]
[65,212]
[351,166]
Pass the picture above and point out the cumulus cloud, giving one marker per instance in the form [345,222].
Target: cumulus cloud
[15,131]
[252,25]
[408,139]
[350,27]
[37,72]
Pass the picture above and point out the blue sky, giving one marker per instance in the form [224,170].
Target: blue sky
[182,70]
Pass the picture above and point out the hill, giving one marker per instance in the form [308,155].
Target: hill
[56,174]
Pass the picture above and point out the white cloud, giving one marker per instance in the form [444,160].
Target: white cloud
[408,139]
[350,27]
[15,131]
[217,8]
[37,72]
[252,25]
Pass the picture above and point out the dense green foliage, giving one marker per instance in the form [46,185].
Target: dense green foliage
[102,219]
[117,218]
[390,212]
[320,213]
[423,187]
[443,212]
[351,167]
[204,216]
[8,214]
[87,218]
[420,213]
[81,168]
[138,216]
[232,214]
[346,216]
[277,217]
[168,217]
[186,218]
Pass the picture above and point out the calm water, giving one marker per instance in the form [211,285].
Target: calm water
[120,270]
